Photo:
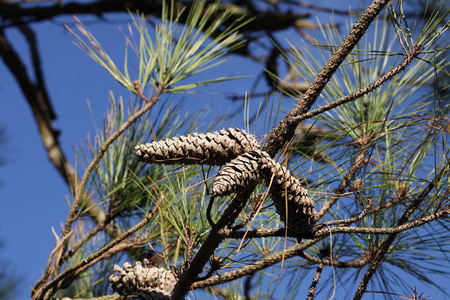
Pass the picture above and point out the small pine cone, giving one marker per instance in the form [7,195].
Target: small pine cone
[213,148]
[237,175]
[152,281]
[286,189]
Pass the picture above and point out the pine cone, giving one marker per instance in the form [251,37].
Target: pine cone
[143,280]
[286,189]
[237,175]
[214,148]
[250,168]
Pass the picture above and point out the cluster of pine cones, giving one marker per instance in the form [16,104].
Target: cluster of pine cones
[245,165]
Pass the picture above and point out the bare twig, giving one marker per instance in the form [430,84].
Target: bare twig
[232,234]
[390,230]
[349,221]
[298,249]
[257,233]
[58,245]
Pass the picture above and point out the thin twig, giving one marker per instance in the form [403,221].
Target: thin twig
[364,212]
[58,245]
[257,233]
[354,263]
[390,230]
[340,190]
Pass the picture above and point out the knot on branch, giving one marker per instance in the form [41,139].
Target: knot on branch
[144,281]
[245,165]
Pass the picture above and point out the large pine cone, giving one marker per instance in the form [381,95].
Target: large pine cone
[291,200]
[292,203]
[213,148]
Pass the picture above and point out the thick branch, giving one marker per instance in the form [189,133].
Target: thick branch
[279,137]
[40,107]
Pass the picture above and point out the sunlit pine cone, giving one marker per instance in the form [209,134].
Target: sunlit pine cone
[286,189]
[237,175]
[148,282]
[213,148]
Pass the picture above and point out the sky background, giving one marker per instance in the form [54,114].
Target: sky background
[32,193]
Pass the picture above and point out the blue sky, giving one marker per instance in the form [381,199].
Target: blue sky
[32,194]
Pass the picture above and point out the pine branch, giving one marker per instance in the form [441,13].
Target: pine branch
[286,128]
[80,191]
[281,135]
[312,287]
[57,282]
[371,87]
[384,248]
[257,266]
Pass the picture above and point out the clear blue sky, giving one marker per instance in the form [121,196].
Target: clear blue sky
[32,194]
